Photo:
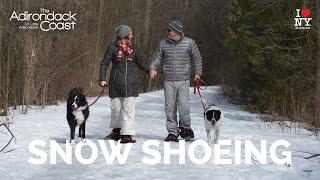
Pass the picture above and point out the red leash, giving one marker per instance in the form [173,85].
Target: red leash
[103,88]
[197,87]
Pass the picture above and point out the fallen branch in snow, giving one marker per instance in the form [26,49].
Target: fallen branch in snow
[314,155]
[6,124]
[310,154]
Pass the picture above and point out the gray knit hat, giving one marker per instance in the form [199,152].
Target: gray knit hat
[176,25]
[123,31]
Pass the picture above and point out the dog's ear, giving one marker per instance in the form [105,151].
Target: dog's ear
[83,100]
[217,115]
[209,115]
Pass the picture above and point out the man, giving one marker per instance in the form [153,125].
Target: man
[177,51]
[124,85]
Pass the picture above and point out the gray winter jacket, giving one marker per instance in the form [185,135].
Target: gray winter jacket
[177,58]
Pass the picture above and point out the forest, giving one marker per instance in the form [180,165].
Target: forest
[250,48]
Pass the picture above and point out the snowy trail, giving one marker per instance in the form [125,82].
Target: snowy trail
[51,124]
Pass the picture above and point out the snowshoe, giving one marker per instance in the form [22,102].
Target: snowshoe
[186,133]
[127,139]
[171,137]
[114,135]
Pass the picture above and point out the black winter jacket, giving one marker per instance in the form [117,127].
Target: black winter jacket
[123,79]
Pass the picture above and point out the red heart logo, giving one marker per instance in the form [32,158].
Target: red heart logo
[305,12]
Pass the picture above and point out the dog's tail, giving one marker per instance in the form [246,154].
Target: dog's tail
[206,106]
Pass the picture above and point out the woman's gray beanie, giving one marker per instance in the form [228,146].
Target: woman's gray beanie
[123,31]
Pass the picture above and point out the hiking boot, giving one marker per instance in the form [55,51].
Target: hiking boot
[127,139]
[115,134]
[171,137]
[186,133]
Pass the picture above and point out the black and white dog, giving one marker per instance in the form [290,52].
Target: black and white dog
[77,113]
[212,120]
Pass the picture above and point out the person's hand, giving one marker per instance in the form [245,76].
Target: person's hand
[153,73]
[197,77]
[103,83]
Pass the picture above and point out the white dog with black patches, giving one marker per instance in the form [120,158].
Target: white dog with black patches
[212,120]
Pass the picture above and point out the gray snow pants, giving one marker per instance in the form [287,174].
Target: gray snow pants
[177,98]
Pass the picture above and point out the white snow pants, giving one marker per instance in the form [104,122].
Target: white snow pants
[123,114]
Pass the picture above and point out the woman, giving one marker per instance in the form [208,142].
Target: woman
[123,83]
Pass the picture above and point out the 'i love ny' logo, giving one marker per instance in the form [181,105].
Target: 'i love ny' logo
[302,19]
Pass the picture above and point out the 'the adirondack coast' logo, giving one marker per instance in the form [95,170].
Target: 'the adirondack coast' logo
[46,20]
[303,19]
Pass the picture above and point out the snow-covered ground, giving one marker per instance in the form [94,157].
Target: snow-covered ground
[50,124]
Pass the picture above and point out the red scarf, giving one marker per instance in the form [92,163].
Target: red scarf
[127,51]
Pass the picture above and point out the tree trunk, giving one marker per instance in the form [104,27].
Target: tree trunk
[29,58]
[6,99]
[96,64]
[185,11]
[147,36]
[317,91]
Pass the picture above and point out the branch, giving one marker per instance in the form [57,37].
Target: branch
[314,155]
[281,47]
[6,125]
[59,69]
[311,154]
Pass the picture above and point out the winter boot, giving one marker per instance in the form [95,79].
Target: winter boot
[171,137]
[115,134]
[127,139]
[186,133]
